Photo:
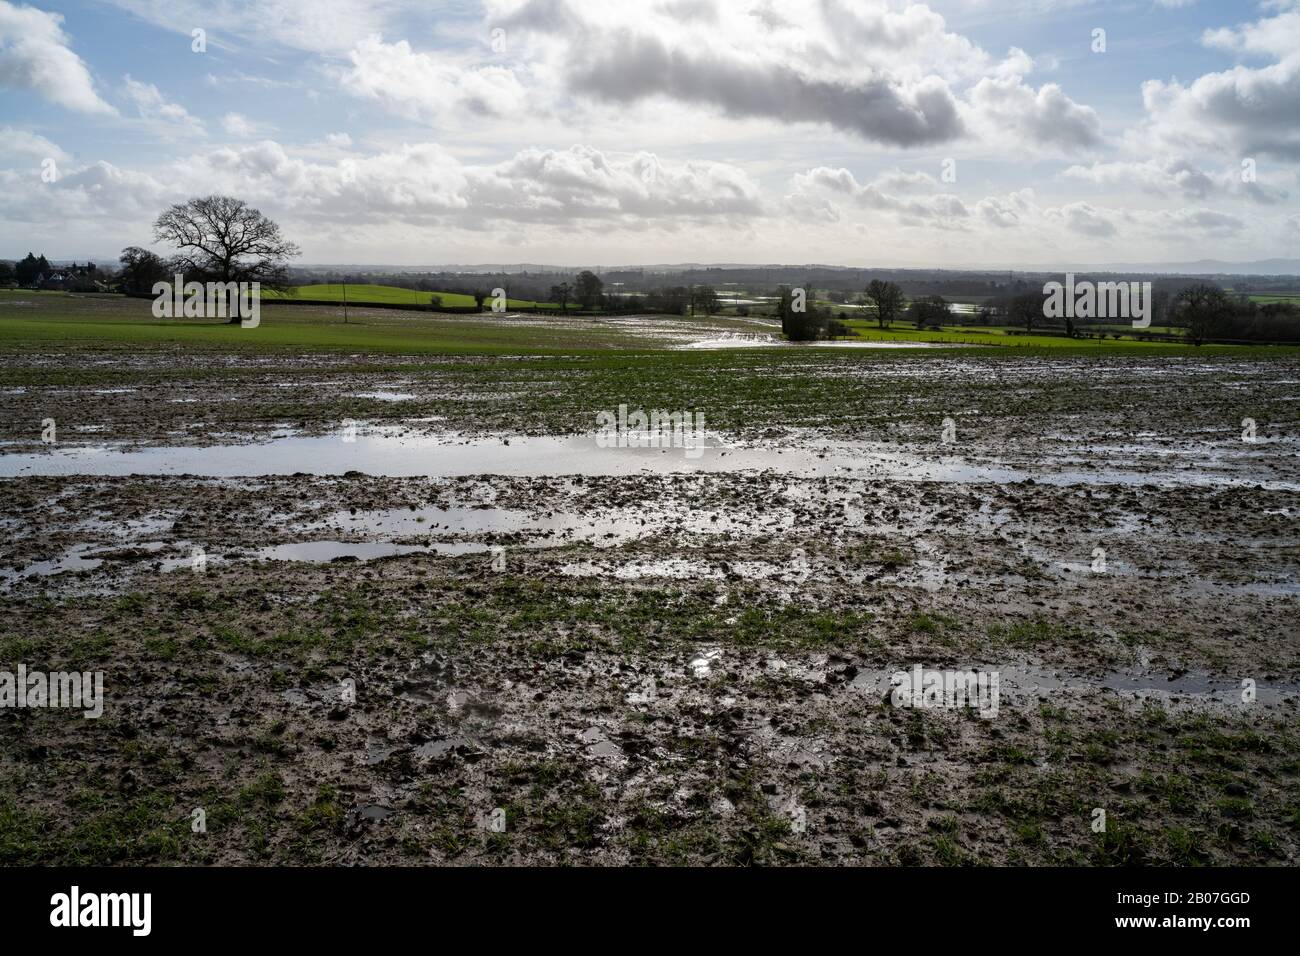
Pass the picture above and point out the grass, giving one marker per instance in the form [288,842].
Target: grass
[1190,788]
[558,372]
[395,295]
[1003,337]
[70,321]
[44,320]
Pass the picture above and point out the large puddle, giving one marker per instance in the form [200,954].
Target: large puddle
[395,452]
[751,340]
[455,530]
[1025,679]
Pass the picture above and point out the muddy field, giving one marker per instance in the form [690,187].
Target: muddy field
[404,609]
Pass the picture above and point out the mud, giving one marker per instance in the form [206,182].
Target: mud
[451,642]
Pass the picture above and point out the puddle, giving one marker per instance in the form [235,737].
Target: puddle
[128,528]
[600,526]
[1030,680]
[750,341]
[385,396]
[385,451]
[334,551]
[74,559]
[735,340]
[389,533]
[433,749]
[787,750]
[332,694]
[701,665]
[679,569]
[426,692]
[599,745]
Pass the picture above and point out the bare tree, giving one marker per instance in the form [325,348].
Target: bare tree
[560,293]
[1203,310]
[929,311]
[888,300]
[141,269]
[588,289]
[1025,309]
[704,298]
[224,239]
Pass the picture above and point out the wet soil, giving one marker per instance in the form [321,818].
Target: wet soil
[683,661]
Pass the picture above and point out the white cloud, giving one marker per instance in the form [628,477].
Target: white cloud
[1006,212]
[1045,117]
[584,183]
[628,68]
[779,89]
[1243,111]
[164,116]
[425,184]
[1179,177]
[424,87]
[936,208]
[27,147]
[34,56]
[929,207]
[241,127]
[100,192]
[1205,222]
[1083,218]
[1018,212]
[882,72]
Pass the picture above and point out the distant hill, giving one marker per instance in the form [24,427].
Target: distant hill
[1259,267]
[1205,267]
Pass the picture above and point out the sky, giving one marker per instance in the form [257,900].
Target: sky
[947,134]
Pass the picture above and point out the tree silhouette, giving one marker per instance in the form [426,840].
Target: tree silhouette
[561,293]
[224,239]
[888,300]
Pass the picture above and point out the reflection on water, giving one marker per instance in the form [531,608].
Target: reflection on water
[1031,680]
[389,452]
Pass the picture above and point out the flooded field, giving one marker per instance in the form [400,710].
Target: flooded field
[398,608]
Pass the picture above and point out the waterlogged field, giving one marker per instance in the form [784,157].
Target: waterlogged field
[377,593]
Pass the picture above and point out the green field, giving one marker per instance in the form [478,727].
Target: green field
[388,294]
[43,320]
[998,336]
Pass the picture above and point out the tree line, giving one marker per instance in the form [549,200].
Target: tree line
[36,272]
[1200,312]
[223,239]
